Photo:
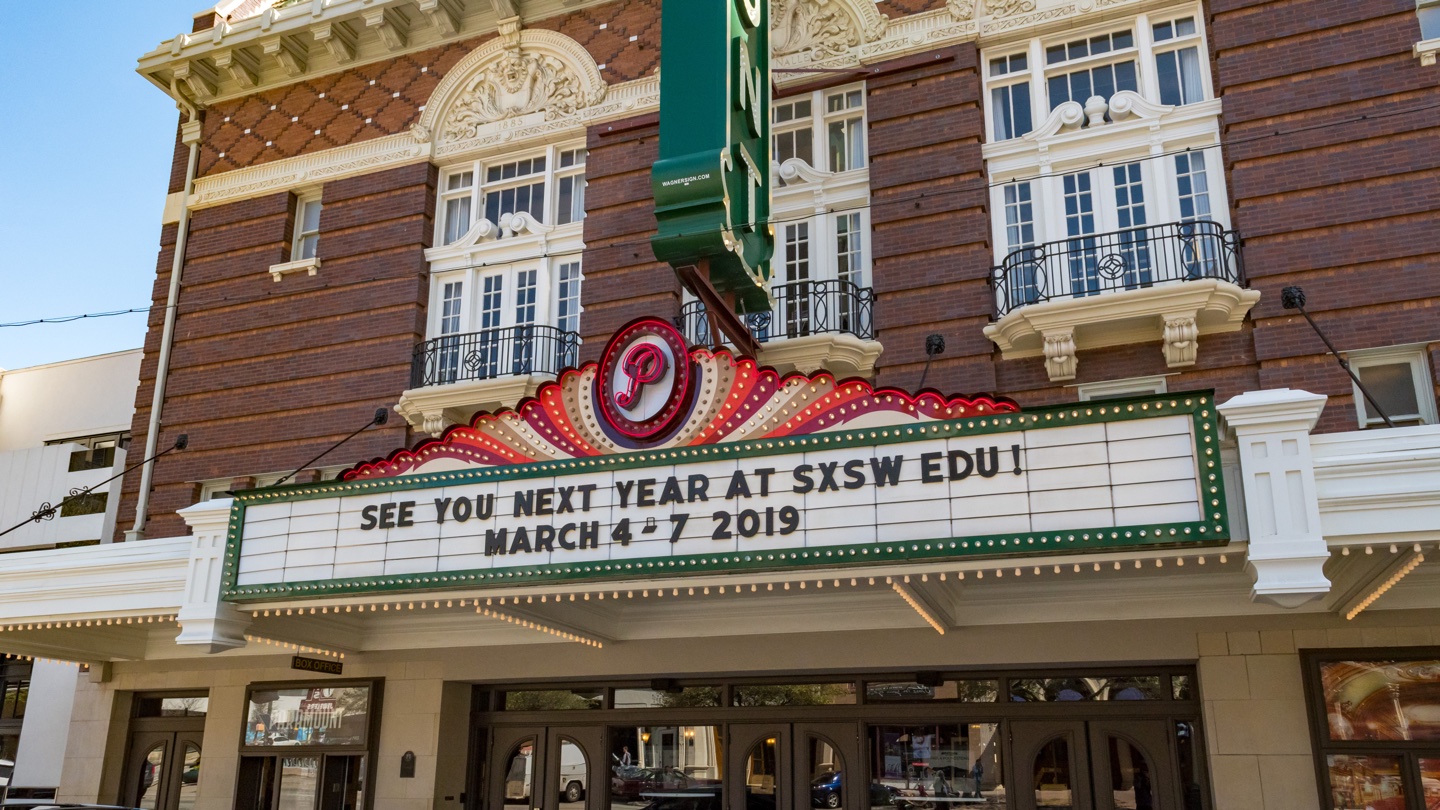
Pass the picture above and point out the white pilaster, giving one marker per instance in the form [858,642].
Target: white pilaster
[1287,549]
[205,621]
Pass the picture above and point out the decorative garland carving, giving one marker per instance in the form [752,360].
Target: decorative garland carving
[517,74]
[961,9]
[1009,8]
[822,28]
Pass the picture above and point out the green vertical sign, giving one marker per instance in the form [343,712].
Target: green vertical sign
[712,181]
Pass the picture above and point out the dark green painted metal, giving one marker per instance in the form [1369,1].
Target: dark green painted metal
[1214,529]
[712,181]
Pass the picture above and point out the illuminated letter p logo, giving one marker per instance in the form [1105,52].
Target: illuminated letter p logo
[642,365]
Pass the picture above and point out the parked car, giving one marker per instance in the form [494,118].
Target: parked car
[825,790]
[629,783]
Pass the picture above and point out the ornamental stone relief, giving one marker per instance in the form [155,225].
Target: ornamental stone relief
[1009,8]
[518,84]
[822,28]
[516,75]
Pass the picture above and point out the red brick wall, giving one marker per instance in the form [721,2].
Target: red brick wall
[930,229]
[1346,210]
[265,375]
[622,279]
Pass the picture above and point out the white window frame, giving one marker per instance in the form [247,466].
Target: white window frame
[1128,387]
[819,122]
[543,248]
[1143,52]
[1414,354]
[824,247]
[1133,53]
[1175,43]
[478,188]
[302,201]
[547,291]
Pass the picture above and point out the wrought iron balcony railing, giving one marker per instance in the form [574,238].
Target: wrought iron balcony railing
[1132,259]
[802,308]
[492,353]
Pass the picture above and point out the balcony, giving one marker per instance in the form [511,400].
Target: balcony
[455,376]
[1172,283]
[813,325]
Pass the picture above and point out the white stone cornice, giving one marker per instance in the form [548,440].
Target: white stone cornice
[329,164]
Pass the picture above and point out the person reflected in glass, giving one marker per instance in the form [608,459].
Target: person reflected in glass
[977,773]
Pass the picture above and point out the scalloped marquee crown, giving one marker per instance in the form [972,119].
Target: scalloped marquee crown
[714,397]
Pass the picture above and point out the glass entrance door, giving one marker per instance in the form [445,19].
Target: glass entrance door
[555,768]
[163,772]
[1095,765]
[795,766]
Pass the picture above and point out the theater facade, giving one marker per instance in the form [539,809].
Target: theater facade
[1027,482]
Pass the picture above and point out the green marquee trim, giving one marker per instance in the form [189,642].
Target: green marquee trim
[1214,530]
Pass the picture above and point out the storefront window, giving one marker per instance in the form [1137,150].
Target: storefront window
[968,691]
[1044,690]
[686,697]
[1382,700]
[547,700]
[666,768]
[304,742]
[1378,717]
[158,706]
[935,765]
[309,715]
[1365,782]
[795,694]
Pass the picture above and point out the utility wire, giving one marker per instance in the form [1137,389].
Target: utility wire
[964,188]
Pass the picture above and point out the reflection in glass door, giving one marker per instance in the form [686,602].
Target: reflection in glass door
[546,769]
[1097,765]
[164,770]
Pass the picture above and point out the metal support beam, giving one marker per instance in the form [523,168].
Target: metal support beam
[719,308]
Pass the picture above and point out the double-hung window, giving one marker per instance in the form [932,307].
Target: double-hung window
[548,185]
[1009,78]
[825,129]
[307,227]
[792,129]
[1177,61]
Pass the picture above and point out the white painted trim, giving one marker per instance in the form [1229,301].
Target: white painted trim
[1130,386]
[307,266]
[1417,356]
[1427,50]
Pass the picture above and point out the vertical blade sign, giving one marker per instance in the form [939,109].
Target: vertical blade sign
[712,181]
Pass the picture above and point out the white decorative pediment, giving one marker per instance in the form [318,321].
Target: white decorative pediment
[1071,115]
[822,29]
[532,75]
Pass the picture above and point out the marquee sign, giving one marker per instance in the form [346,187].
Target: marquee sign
[662,461]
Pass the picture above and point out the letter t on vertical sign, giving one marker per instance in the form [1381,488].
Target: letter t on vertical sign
[712,181]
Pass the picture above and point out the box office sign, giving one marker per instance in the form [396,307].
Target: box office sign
[857,476]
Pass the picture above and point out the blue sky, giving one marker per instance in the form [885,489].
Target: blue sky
[85,147]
